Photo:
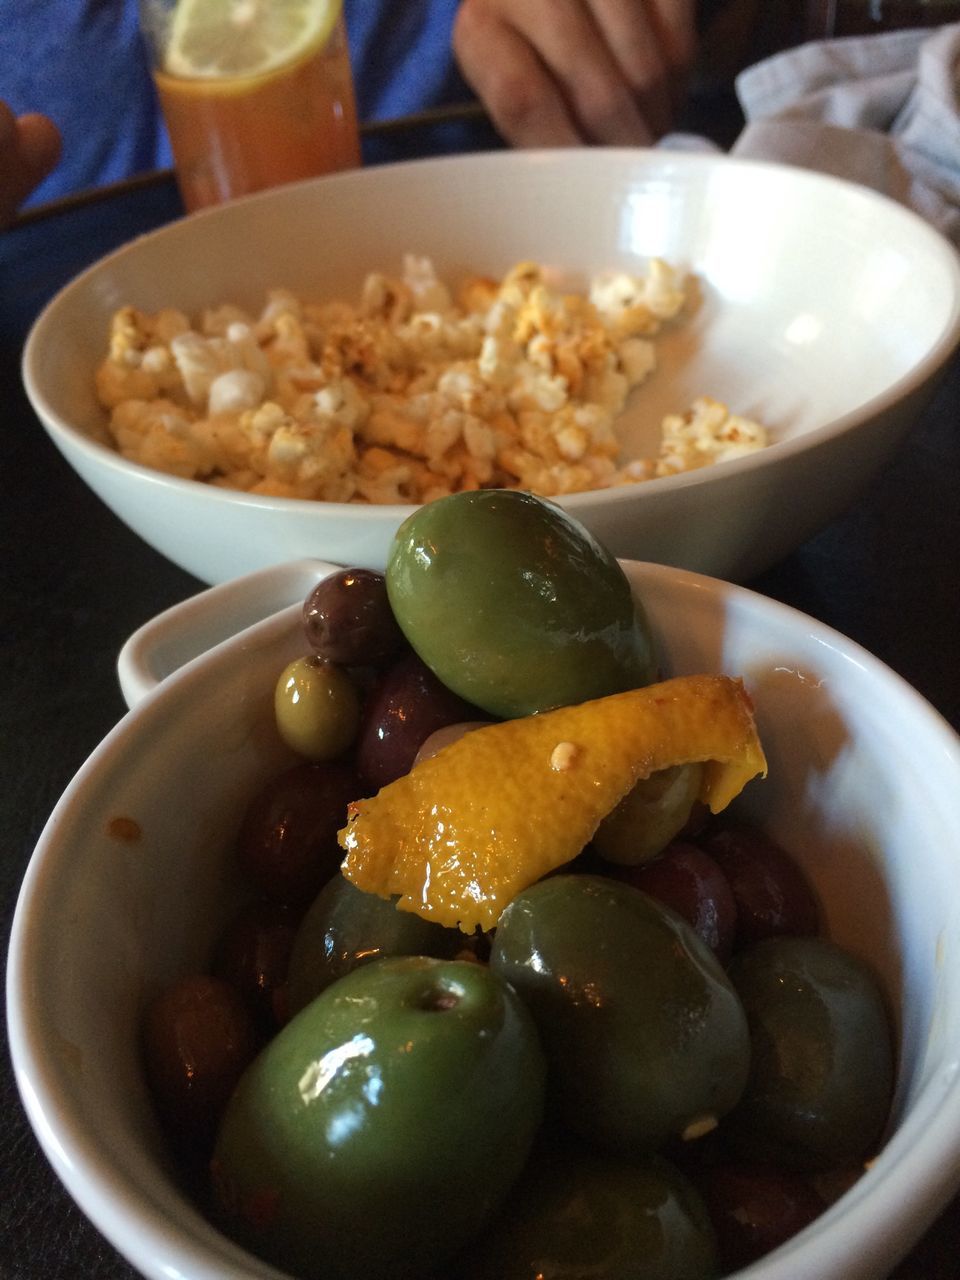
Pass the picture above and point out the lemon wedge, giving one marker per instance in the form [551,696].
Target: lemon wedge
[469,828]
[227,38]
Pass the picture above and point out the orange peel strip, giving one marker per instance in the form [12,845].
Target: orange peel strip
[465,831]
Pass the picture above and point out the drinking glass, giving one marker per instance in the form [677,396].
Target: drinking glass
[236,131]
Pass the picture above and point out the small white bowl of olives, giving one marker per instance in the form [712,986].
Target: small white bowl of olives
[165,907]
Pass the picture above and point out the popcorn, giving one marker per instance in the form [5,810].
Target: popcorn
[708,433]
[414,392]
[235,390]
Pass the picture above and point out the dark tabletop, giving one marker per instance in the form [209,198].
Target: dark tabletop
[76,583]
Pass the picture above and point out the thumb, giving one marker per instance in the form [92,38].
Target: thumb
[40,144]
[29,149]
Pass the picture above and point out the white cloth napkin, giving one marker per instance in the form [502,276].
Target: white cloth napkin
[881,110]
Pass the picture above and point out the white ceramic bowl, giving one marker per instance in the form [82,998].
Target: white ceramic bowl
[825,310]
[864,788]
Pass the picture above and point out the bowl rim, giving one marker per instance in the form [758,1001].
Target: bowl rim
[74,440]
[123,1210]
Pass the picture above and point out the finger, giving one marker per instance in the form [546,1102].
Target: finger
[8,127]
[574,50]
[40,144]
[672,22]
[29,148]
[11,177]
[654,44]
[501,66]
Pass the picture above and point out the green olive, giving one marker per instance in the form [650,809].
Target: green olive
[317,709]
[514,605]
[346,928]
[575,1215]
[645,1037]
[649,816]
[822,1055]
[384,1126]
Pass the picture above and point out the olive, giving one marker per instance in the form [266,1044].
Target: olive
[655,810]
[384,1125]
[514,604]
[689,881]
[253,954]
[198,1037]
[345,928]
[772,894]
[287,844]
[755,1210]
[821,1073]
[347,619]
[317,708]
[445,737]
[579,1216]
[644,1035]
[406,706]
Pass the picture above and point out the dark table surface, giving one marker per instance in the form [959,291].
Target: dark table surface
[76,583]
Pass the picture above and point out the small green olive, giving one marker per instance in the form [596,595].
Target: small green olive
[649,816]
[317,708]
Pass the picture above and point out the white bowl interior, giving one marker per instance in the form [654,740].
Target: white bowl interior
[103,921]
[819,306]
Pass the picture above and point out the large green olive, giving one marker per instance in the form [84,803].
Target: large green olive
[645,1037]
[346,928]
[514,605]
[577,1216]
[822,1066]
[384,1125]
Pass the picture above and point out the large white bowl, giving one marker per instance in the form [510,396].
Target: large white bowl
[864,788]
[823,308]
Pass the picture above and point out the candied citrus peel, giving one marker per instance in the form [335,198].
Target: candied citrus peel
[468,829]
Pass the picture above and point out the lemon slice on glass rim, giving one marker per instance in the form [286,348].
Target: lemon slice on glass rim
[233,38]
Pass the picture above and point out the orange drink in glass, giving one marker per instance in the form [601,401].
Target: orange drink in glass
[255,93]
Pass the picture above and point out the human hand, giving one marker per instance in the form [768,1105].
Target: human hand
[568,72]
[29,149]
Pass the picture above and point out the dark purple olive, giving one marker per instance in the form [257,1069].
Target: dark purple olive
[253,955]
[689,881]
[348,620]
[198,1037]
[755,1210]
[407,705]
[772,894]
[287,847]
